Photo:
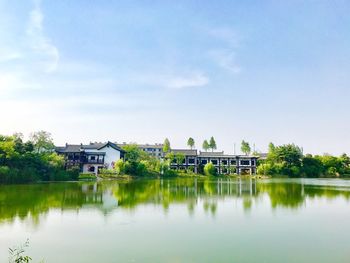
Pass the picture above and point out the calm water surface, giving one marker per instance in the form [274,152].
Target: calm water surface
[179,220]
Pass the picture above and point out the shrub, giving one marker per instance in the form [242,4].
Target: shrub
[209,169]
[86,176]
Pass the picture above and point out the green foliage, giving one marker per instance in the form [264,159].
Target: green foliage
[245,147]
[289,160]
[21,162]
[139,163]
[205,145]
[16,255]
[166,146]
[180,158]
[209,169]
[42,141]
[312,167]
[190,142]
[87,176]
[212,143]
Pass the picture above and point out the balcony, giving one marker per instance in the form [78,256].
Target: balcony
[98,161]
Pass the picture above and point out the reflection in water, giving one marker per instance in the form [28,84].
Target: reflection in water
[32,201]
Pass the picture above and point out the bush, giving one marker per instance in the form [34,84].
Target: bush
[87,176]
[209,169]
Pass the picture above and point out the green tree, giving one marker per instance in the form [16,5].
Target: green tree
[245,147]
[166,145]
[285,159]
[170,157]
[42,141]
[180,157]
[209,169]
[212,144]
[312,167]
[190,142]
[205,145]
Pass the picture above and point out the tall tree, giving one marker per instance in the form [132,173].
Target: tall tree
[245,147]
[42,141]
[212,144]
[190,142]
[205,145]
[166,145]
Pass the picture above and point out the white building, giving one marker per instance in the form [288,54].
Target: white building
[92,157]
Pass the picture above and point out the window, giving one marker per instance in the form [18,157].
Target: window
[215,162]
[93,158]
[92,169]
[191,160]
[204,161]
[233,162]
[245,162]
[224,170]
[224,162]
[253,162]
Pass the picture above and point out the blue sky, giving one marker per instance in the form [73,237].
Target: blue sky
[144,70]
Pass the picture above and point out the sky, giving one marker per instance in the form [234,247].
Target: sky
[141,71]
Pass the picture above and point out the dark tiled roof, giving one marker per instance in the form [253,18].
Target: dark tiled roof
[76,148]
[185,151]
[222,155]
[211,154]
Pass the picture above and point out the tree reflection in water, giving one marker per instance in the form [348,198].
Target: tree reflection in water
[32,201]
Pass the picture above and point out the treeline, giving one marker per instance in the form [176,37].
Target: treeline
[31,161]
[289,160]
[140,163]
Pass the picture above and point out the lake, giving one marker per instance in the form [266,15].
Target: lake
[179,220]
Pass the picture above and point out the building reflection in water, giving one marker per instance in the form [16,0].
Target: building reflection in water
[23,201]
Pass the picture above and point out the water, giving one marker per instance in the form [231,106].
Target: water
[179,220]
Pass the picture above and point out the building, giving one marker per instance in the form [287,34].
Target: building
[92,157]
[224,164]
[229,164]
[155,150]
[190,160]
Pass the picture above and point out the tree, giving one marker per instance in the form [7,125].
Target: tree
[209,169]
[212,144]
[180,158]
[312,167]
[166,146]
[245,147]
[205,145]
[190,142]
[271,147]
[42,141]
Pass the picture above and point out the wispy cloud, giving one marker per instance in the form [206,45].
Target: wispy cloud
[225,55]
[41,46]
[226,59]
[23,65]
[195,79]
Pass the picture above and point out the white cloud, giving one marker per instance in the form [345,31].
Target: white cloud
[225,54]
[191,80]
[46,53]
[226,59]
[23,65]
[9,55]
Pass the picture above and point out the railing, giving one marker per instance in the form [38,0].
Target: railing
[94,161]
